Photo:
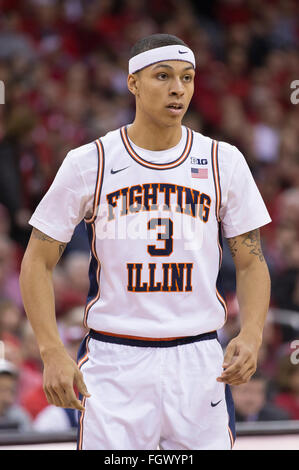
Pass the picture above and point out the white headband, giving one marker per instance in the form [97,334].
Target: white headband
[160,54]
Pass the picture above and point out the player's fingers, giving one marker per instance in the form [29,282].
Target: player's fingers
[63,395]
[236,369]
[240,375]
[236,366]
[248,374]
[229,355]
[72,401]
[241,380]
[229,359]
[48,396]
[53,396]
[81,384]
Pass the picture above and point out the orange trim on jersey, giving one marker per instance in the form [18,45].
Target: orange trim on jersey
[91,221]
[232,441]
[141,337]
[80,440]
[98,182]
[80,363]
[94,300]
[220,251]
[85,357]
[222,301]
[157,166]
[216,177]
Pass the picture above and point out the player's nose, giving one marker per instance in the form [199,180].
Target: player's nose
[177,87]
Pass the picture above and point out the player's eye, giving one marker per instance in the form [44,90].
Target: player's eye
[187,78]
[162,76]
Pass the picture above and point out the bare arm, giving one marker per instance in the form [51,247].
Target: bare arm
[60,371]
[253,293]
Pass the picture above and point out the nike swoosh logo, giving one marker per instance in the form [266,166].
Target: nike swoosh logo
[116,171]
[215,404]
[183,52]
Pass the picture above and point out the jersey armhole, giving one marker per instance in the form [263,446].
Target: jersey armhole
[216,176]
[99,182]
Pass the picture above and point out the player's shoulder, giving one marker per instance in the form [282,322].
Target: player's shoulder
[201,140]
[86,155]
[82,151]
[228,154]
[111,136]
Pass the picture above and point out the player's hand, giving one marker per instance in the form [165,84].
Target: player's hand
[240,360]
[61,374]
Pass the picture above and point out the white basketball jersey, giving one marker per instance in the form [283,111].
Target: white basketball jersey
[155,229]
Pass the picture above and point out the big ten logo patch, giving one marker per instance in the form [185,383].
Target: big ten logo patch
[199,161]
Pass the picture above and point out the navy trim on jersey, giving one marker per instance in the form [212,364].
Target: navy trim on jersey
[150,343]
[95,189]
[92,272]
[231,413]
[82,358]
[72,416]
[216,172]
[216,177]
[219,282]
[99,181]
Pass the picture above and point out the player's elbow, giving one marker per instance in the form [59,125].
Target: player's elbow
[25,270]
[251,262]
[255,272]
[32,266]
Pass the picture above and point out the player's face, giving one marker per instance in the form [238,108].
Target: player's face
[164,90]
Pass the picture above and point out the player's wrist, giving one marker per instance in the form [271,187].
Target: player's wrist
[251,335]
[48,351]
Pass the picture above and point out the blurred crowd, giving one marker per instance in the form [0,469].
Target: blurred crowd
[64,67]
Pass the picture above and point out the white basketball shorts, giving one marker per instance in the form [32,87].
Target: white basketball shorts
[149,395]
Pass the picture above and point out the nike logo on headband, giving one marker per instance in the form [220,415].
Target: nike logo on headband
[159,54]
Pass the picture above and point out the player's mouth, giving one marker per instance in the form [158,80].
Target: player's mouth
[175,108]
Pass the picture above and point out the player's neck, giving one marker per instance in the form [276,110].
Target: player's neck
[154,137]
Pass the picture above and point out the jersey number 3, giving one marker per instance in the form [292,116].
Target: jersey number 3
[167,224]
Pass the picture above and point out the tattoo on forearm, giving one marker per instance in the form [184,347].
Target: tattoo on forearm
[45,238]
[232,243]
[252,241]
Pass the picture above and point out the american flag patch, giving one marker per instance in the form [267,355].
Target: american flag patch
[199,173]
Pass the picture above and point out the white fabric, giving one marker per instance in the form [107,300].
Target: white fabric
[160,54]
[125,239]
[142,398]
[70,197]
[243,208]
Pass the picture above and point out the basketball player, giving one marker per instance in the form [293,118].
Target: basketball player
[157,198]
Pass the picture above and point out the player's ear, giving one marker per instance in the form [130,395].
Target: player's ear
[133,83]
